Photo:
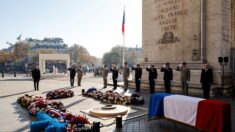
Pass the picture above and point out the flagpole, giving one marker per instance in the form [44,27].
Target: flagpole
[123,33]
[123,50]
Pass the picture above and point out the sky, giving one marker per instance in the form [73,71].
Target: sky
[94,24]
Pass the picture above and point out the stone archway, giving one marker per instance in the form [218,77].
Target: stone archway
[44,57]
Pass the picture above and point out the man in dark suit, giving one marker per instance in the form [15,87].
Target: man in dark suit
[36,77]
[72,75]
[138,74]
[206,80]
[168,76]
[152,78]
[114,76]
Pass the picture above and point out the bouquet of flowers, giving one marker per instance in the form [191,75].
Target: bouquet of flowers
[123,100]
[25,100]
[96,94]
[53,113]
[39,105]
[77,123]
[57,105]
[114,97]
[60,93]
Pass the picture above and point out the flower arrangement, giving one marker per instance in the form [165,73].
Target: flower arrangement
[47,123]
[24,101]
[60,93]
[56,105]
[114,97]
[37,106]
[52,115]
[77,123]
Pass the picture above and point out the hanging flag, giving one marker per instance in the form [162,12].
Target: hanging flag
[123,23]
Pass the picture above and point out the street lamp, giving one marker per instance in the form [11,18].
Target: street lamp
[223,61]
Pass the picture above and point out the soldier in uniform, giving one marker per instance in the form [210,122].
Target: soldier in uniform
[79,75]
[152,78]
[105,75]
[138,74]
[36,77]
[126,73]
[184,77]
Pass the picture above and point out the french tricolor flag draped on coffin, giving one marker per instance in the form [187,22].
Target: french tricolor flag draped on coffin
[207,115]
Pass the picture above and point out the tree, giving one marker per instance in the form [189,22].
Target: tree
[131,57]
[112,57]
[21,50]
[78,54]
[115,56]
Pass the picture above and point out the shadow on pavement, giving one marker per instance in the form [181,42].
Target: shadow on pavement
[16,94]
[17,79]
[23,116]
[74,103]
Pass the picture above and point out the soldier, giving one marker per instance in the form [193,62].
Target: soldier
[79,75]
[152,78]
[105,75]
[36,77]
[138,74]
[206,80]
[184,77]
[126,73]
[72,75]
[114,76]
[168,76]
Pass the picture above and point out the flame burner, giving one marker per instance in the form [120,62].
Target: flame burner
[109,111]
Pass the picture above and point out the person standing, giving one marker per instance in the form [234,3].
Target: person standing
[152,78]
[114,76]
[138,75]
[126,73]
[36,77]
[184,77]
[168,76]
[206,80]
[105,75]
[79,75]
[72,75]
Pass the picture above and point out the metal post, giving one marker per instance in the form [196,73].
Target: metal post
[119,122]
[83,91]
[96,126]
[222,78]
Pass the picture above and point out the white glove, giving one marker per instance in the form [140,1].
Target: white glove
[180,65]
[164,66]
[149,66]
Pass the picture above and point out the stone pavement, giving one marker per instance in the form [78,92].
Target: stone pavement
[15,118]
